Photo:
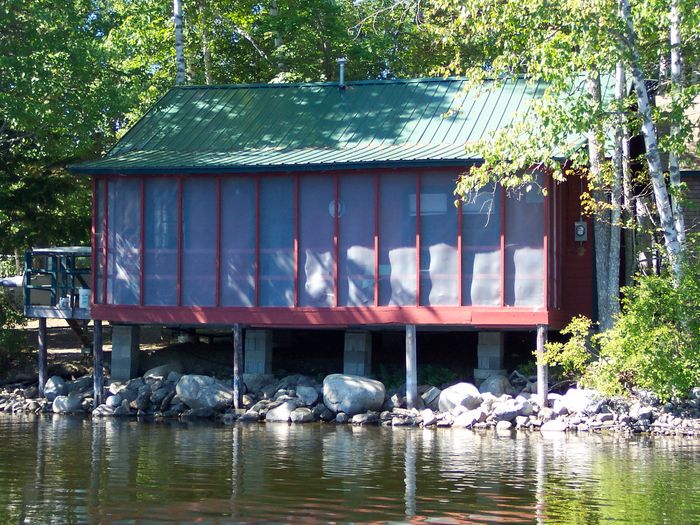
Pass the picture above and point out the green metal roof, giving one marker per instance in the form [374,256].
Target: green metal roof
[273,127]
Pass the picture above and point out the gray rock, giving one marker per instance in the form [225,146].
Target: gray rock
[470,418]
[428,416]
[113,401]
[507,411]
[694,393]
[368,418]
[322,412]
[162,371]
[250,416]
[256,382]
[431,398]
[352,394]
[135,383]
[81,384]
[521,421]
[307,394]
[201,412]
[397,400]
[122,410]
[606,416]
[198,391]
[301,415]
[559,408]
[103,411]
[464,394]
[555,425]
[173,377]
[578,400]
[283,412]
[67,404]
[496,385]
[142,401]
[341,418]
[503,425]
[54,387]
[160,394]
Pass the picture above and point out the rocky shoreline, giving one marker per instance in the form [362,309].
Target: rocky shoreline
[164,392]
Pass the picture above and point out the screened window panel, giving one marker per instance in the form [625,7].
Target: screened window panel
[524,279]
[316,232]
[160,242]
[481,248]
[356,250]
[397,240]
[99,239]
[439,259]
[124,239]
[199,242]
[276,279]
[238,242]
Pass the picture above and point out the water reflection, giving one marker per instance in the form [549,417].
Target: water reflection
[71,470]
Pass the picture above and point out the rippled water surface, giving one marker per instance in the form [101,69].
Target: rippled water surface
[71,470]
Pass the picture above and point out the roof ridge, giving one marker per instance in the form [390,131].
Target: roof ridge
[268,85]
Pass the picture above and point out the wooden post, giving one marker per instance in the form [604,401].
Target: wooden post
[542,371]
[411,367]
[42,355]
[98,376]
[237,359]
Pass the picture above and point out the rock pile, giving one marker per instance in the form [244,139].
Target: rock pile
[166,393]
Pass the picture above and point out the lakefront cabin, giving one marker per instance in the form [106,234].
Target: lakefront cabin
[326,205]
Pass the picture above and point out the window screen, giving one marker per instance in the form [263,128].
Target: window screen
[238,242]
[481,248]
[124,238]
[276,279]
[524,250]
[316,232]
[439,259]
[356,232]
[199,242]
[397,240]
[160,239]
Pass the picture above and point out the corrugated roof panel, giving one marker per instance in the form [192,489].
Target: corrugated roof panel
[314,126]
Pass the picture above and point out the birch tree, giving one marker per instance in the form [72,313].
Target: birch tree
[179,45]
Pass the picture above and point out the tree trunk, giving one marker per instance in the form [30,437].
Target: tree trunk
[179,53]
[615,197]
[672,244]
[18,262]
[206,51]
[676,87]
[601,223]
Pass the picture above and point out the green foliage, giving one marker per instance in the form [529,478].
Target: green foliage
[434,375]
[12,339]
[654,344]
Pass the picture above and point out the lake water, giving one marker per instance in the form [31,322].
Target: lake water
[66,469]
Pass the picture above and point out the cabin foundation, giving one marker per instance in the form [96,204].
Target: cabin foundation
[489,355]
[258,352]
[357,353]
[125,351]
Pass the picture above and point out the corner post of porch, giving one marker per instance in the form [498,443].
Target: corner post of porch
[98,375]
[42,344]
[237,361]
[542,370]
[411,367]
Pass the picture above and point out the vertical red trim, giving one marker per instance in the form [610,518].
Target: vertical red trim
[545,246]
[296,240]
[503,246]
[417,238]
[93,242]
[336,230]
[460,275]
[142,239]
[257,241]
[179,241]
[105,239]
[376,239]
[218,242]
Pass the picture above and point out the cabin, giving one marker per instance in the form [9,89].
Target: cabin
[330,205]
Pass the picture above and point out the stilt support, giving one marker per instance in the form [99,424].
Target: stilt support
[411,367]
[237,361]
[542,371]
[42,355]
[98,375]
[357,354]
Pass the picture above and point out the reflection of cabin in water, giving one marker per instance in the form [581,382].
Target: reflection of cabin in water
[317,206]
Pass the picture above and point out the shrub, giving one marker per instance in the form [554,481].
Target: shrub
[11,337]
[654,344]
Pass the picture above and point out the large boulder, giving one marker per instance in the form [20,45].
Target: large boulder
[256,382]
[68,404]
[54,387]
[307,394]
[283,412]
[579,400]
[496,385]
[82,384]
[464,394]
[507,411]
[198,391]
[352,394]
[301,415]
[163,371]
